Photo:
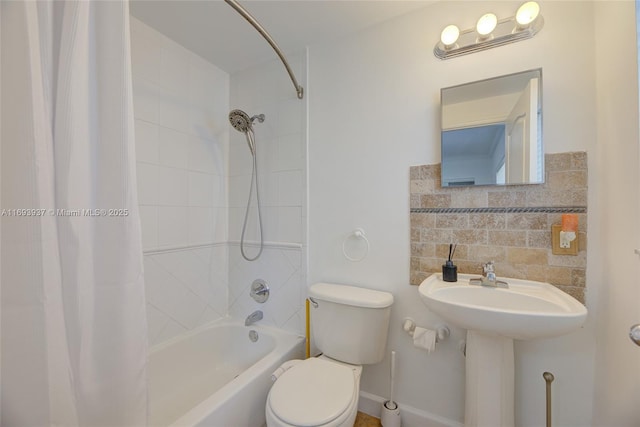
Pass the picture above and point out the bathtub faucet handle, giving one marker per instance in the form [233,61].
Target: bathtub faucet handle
[259,291]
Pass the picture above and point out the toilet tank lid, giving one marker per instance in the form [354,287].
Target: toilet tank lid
[350,295]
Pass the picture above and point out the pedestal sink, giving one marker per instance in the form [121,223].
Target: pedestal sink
[493,318]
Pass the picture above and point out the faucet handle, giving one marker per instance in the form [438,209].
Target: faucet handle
[488,267]
[259,291]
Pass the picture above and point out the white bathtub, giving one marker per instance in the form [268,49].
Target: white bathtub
[216,376]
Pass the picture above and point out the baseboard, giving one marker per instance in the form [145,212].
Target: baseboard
[411,417]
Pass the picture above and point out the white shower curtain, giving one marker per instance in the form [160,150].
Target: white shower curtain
[73,324]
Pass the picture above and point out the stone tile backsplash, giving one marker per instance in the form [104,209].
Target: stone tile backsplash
[510,225]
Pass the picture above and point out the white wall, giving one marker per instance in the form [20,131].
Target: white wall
[617,374]
[373,112]
[181,107]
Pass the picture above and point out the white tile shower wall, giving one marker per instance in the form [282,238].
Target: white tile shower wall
[281,153]
[182,133]
[185,289]
[281,150]
[282,269]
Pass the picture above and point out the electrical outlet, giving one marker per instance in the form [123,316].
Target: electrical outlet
[555,243]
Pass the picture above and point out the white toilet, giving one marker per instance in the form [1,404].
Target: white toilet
[349,325]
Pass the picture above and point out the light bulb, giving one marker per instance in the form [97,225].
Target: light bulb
[449,35]
[486,24]
[527,13]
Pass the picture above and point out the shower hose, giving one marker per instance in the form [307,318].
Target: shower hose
[254,179]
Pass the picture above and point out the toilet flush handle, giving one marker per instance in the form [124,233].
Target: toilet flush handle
[313,302]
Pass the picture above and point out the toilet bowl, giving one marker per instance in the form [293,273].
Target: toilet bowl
[315,392]
[349,325]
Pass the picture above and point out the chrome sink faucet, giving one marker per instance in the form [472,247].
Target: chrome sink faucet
[489,278]
[253,318]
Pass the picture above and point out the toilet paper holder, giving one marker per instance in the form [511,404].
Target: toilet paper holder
[442,331]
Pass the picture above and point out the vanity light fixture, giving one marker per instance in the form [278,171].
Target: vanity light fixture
[490,32]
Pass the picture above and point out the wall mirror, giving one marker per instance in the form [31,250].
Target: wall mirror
[492,131]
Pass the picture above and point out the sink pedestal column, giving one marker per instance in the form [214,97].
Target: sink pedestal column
[489,400]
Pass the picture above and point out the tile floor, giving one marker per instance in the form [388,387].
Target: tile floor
[364,420]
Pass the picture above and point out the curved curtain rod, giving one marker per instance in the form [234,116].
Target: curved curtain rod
[246,15]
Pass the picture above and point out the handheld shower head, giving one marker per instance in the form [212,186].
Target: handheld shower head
[240,120]
[243,123]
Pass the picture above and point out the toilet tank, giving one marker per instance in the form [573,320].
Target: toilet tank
[349,323]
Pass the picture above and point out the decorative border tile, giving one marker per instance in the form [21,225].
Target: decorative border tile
[541,209]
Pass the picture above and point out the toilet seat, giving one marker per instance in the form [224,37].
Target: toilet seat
[314,392]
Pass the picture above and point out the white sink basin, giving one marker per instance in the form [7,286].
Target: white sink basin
[526,310]
[493,318]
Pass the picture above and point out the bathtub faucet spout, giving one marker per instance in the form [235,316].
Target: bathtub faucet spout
[253,318]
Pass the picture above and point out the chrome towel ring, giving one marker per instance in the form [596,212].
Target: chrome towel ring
[358,233]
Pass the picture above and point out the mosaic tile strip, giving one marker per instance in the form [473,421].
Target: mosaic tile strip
[542,209]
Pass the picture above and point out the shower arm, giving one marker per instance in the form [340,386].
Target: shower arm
[246,15]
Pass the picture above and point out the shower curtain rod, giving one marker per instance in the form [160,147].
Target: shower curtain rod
[246,15]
